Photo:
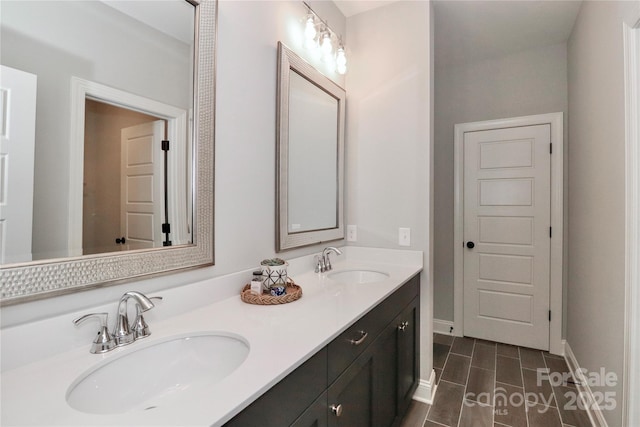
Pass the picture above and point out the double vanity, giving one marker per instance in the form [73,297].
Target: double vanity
[346,353]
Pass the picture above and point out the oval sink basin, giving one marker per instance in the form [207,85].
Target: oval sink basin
[152,376]
[358,276]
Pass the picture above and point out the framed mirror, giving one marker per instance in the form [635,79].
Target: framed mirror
[310,154]
[119,181]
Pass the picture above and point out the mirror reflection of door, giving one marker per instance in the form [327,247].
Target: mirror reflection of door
[17,144]
[142,186]
[103,206]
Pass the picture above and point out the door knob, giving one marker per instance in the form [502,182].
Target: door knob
[471,245]
[120,240]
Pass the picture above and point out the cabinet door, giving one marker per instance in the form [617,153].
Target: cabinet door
[350,396]
[315,415]
[284,402]
[408,332]
[385,381]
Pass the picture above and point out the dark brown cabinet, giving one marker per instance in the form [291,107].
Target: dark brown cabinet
[365,377]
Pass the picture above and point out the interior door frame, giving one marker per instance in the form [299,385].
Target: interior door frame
[555,120]
[631,408]
[177,129]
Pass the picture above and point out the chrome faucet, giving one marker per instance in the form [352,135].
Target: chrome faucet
[123,334]
[323,262]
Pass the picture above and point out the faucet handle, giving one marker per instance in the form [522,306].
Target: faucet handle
[139,327]
[103,341]
[326,259]
[318,264]
[327,262]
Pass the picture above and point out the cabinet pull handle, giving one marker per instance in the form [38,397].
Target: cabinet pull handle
[402,326]
[337,410]
[363,336]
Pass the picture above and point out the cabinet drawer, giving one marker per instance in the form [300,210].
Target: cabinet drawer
[343,350]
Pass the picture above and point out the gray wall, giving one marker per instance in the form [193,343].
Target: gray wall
[389,127]
[596,289]
[527,83]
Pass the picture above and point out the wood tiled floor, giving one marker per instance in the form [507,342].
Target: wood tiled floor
[483,383]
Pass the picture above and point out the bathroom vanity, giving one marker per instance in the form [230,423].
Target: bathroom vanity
[346,353]
[364,377]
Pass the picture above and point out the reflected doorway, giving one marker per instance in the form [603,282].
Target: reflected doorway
[105,227]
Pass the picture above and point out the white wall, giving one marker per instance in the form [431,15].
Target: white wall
[526,83]
[388,135]
[596,289]
[245,149]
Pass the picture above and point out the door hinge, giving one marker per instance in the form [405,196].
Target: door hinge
[165,145]
[550,232]
[166,228]
[551,148]
[549,315]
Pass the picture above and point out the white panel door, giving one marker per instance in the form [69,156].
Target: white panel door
[507,217]
[142,192]
[17,145]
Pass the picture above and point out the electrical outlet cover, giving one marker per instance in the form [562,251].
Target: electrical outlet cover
[404,236]
[352,233]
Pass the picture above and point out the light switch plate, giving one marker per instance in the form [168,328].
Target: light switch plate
[352,233]
[404,236]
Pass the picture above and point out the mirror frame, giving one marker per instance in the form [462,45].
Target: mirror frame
[36,280]
[288,61]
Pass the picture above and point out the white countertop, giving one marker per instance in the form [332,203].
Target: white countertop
[280,337]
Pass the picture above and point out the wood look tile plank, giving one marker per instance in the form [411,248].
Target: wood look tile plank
[537,387]
[480,386]
[463,346]
[543,416]
[476,415]
[443,339]
[509,409]
[447,404]
[416,414]
[531,359]
[508,371]
[484,357]
[569,407]
[508,350]
[559,366]
[456,369]
[440,353]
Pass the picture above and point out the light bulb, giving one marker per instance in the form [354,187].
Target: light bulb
[326,45]
[341,61]
[310,32]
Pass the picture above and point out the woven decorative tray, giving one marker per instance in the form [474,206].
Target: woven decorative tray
[293,292]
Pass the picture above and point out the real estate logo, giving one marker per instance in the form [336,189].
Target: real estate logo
[571,389]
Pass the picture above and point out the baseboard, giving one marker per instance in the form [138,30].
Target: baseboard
[588,399]
[426,389]
[444,327]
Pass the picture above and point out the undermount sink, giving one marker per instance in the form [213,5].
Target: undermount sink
[358,276]
[152,376]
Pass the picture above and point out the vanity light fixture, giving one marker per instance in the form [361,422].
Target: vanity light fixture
[324,40]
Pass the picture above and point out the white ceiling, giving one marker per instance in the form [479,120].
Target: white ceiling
[354,7]
[469,31]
